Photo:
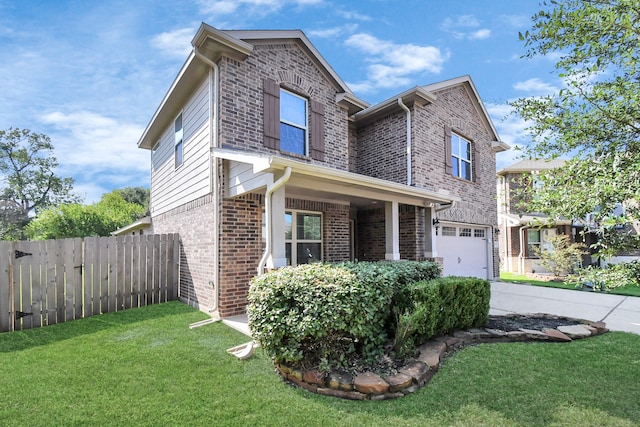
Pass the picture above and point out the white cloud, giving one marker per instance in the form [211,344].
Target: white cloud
[333,32]
[100,152]
[350,14]
[512,130]
[535,86]
[465,27]
[262,7]
[480,34]
[175,43]
[392,64]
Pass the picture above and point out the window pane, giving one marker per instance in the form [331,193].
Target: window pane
[455,169]
[466,150]
[478,232]
[465,232]
[287,250]
[466,170]
[288,220]
[178,124]
[292,139]
[448,231]
[178,154]
[308,227]
[455,144]
[309,252]
[533,236]
[293,109]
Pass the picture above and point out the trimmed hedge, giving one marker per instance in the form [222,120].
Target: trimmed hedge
[324,315]
[442,306]
[321,313]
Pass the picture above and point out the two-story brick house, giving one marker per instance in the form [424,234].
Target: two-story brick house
[262,157]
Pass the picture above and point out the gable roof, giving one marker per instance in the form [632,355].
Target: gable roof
[466,82]
[213,43]
[530,165]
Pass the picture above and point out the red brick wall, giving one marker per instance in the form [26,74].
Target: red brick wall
[194,223]
[241,100]
[240,250]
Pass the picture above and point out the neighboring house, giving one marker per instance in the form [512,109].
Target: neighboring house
[262,157]
[139,227]
[520,231]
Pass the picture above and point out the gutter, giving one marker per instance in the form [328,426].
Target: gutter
[268,214]
[406,109]
[214,185]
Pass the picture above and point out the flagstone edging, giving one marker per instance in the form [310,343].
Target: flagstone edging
[416,373]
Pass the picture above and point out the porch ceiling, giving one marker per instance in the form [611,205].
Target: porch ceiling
[332,185]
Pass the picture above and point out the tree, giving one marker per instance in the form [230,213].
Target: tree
[564,257]
[28,182]
[75,220]
[137,195]
[595,117]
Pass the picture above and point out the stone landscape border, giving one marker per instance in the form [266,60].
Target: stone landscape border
[415,374]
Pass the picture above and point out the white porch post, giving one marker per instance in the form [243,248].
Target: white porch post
[392,231]
[434,245]
[277,257]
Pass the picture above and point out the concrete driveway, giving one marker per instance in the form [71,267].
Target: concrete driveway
[620,313]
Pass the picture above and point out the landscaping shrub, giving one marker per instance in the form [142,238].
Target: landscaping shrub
[439,307]
[611,277]
[322,313]
[317,313]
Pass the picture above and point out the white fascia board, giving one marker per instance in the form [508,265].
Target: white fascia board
[262,163]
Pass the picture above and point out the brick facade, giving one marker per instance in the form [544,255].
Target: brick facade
[194,223]
[375,147]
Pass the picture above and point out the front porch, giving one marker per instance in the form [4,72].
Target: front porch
[305,213]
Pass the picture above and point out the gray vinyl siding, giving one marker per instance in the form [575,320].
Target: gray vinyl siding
[171,187]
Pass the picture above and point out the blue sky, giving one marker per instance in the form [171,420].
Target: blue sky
[90,74]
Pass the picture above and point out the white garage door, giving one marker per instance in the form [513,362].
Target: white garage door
[464,249]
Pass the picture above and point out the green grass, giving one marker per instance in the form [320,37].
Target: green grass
[633,291]
[145,367]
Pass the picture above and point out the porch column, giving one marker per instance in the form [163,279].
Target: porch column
[277,257]
[431,216]
[392,231]
[429,233]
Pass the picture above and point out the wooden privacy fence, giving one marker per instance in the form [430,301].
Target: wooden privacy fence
[53,281]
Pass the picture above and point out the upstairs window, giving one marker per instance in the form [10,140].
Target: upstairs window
[460,157]
[178,132]
[293,123]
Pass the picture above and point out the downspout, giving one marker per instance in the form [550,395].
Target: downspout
[268,214]
[215,183]
[409,149]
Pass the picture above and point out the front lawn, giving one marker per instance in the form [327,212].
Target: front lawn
[633,291]
[146,367]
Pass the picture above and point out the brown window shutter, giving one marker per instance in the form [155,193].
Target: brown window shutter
[271,118]
[448,166]
[316,140]
[476,162]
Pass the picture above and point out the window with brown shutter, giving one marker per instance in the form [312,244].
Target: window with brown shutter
[271,112]
[448,165]
[317,130]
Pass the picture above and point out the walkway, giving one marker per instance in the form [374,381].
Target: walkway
[620,313]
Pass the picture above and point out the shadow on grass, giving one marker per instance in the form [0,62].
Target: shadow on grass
[25,339]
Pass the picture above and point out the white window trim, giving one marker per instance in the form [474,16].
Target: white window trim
[461,160]
[297,125]
[294,247]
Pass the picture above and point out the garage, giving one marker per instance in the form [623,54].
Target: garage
[464,249]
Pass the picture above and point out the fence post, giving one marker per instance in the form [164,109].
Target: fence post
[6,295]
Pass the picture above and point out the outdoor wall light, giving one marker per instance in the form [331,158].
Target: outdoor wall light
[436,221]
